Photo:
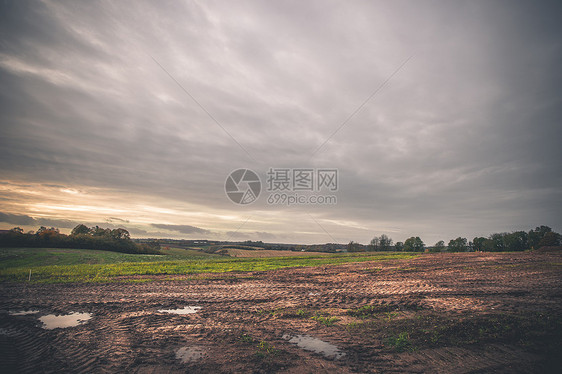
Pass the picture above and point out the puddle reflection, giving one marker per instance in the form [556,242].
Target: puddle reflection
[186,310]
[309,343]
[53,321]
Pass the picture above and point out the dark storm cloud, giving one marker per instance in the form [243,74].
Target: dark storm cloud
[25,220]
[184,229]
[16,219]
[256,235]
[115,219]
[464,140]
[59,223]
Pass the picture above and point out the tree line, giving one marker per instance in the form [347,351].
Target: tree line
[541,236]
[81,237]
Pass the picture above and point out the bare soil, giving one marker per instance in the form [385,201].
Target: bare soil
[439,313]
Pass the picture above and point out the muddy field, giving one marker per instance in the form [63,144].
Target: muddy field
[448,313]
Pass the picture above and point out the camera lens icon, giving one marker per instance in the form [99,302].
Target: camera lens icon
[242,186]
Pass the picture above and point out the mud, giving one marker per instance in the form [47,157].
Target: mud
[442,313]
[190,354]
[24,312]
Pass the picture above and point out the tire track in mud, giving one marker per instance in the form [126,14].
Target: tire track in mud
[24,345]
[128,334]
[490,358]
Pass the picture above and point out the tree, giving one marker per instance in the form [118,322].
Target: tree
[98,231]
[385,242]
[354,247]
[497,244]
[438,247]
[457,245]
[80,230]
[117,240]
[478,243]
[121,234]
[48,235]
[374,245]
[380,243]
[399,246]
[414,244]
[45,231]
[489,245]
[516,241]
[536,235]
[550,239]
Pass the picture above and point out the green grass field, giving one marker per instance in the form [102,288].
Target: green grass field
[53,265]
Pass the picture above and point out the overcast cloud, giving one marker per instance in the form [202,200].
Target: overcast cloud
[464,139]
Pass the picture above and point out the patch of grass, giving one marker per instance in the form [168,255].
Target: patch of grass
[302,313]
[328,321]
[434,336]
[265,349]
[245,338]
[366,311]
[325,319]
[293,313]
[400,343]
[72,265]
[33,257]
[272,312]
[390,315]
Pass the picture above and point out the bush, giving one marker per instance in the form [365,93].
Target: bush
[117,240]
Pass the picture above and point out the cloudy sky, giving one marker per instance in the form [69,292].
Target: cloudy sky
[443,118]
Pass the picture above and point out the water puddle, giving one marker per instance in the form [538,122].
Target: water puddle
[24,312]
[190,354]
[53,321]
[309,343]
[186,310]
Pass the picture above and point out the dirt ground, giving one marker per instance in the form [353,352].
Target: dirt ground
[441,313]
